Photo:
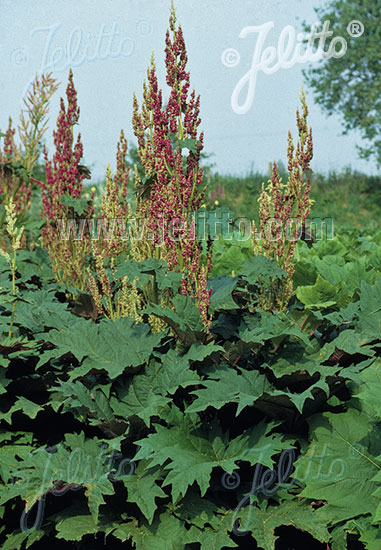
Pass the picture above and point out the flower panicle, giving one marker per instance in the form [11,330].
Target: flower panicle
[34,117]
[64,178]
[285,207]
[171,186]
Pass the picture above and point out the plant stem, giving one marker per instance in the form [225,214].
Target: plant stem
[13,293]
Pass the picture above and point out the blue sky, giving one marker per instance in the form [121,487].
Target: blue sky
[44,34]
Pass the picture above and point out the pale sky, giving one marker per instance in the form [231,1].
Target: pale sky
[42,35]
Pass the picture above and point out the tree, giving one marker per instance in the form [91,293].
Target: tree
[351,84]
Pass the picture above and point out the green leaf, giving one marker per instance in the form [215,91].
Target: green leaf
[140,270]
[209,523]
[79,205]
[346,276]
[4,381]
[370,297]
[231,259]
[268,326]
[76,395]
[76,527]
[261,268]
[165,533]
[22,404]
[41,311]
[262,523]
[221,298]
[77,461]
[228,386]
[143,489]
[371,537]
[125,531]
[319,296]
[139,398]
[199,351]
[174,372]
[337,467]
[193,454]
[109,346]
[216,536]
[16,539]
[95,491]
[11,451]
[188,143]
[369,389]
[349,341]
[185,320]
[145,395]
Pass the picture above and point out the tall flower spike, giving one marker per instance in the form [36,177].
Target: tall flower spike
[64,179]
[15,183]
[284,209]
[33,118]
[113,297]
[171,186]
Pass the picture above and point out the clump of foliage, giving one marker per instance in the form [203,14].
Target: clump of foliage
[183,418]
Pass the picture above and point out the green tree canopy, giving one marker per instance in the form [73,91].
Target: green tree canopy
[351,84]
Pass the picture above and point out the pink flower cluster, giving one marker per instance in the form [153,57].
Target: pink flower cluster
[172,183]
[64,177]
